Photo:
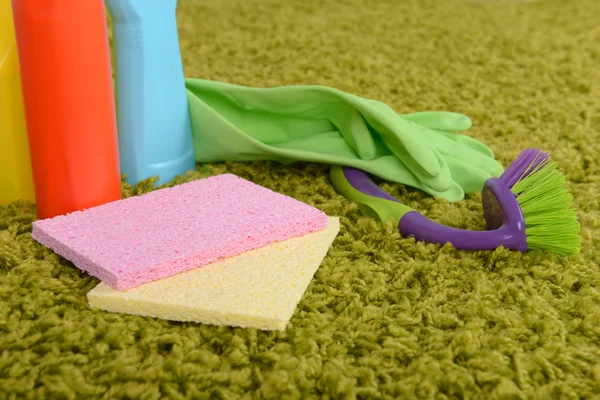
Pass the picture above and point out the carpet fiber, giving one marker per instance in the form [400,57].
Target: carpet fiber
[385,317]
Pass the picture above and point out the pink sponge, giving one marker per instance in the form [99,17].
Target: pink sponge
[145,238]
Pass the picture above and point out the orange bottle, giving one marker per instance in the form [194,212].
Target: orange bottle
[68,97]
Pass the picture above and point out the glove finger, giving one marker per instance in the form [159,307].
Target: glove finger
[405,139]
[454,145]
[468,141]
[453,193]
[438,180]
[448,123]
[353,128]
[470,178]
[440,120]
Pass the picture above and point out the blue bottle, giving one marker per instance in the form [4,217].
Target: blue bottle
[155,134]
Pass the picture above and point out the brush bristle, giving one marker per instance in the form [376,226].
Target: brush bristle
[527,162]
[550,220]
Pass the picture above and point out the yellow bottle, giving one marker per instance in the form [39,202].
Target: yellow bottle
[16,180]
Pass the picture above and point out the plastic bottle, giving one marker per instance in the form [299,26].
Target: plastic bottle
[16,180]
[68,96]
[155,135]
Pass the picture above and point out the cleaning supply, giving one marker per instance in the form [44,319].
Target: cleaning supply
[16,180]
[325,125]
[257,289]
[69,103]
[165,232]
[528,208]
[155,137]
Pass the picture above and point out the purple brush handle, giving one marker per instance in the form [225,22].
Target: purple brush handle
[502,211]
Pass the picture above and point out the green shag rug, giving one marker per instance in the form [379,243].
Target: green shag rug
[385,317]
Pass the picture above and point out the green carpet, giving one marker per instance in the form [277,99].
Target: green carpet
[385,317]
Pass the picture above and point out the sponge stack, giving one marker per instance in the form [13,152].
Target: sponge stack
[220,250]
[259,289]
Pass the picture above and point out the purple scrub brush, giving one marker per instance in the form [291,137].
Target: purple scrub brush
[528,208]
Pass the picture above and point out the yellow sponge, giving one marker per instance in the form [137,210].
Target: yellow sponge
[256,289]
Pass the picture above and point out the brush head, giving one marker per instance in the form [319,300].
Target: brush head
[546,203]
[532,205]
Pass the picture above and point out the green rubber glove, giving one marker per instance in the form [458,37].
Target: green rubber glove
[325,125]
